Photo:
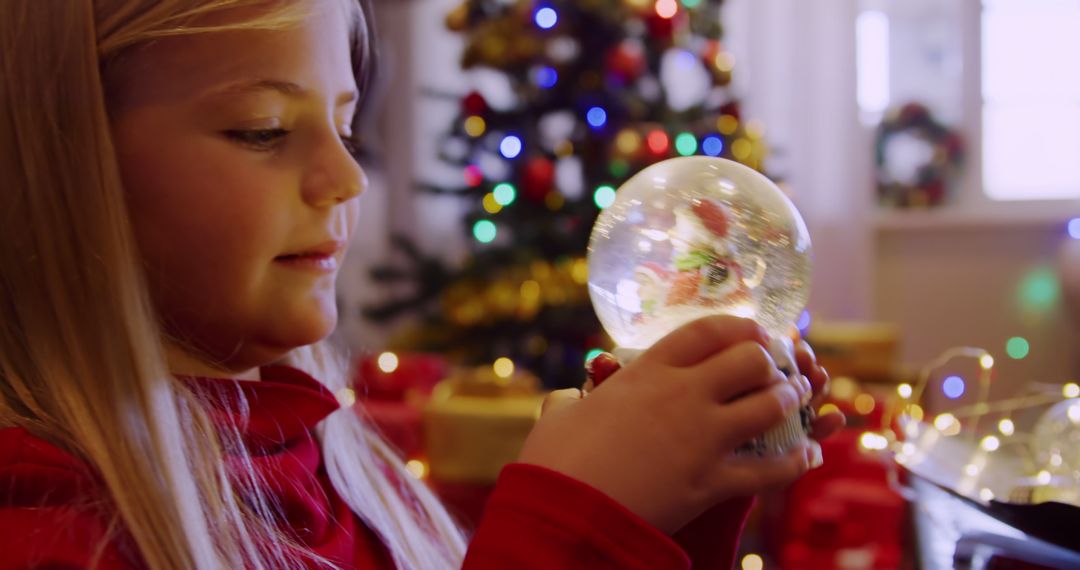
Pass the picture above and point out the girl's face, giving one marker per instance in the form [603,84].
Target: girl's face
[240,187]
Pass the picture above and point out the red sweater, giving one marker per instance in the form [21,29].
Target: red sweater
[53,510]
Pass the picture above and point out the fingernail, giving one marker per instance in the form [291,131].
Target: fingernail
[809,394]
[796,397]
[600,367]
[813,455]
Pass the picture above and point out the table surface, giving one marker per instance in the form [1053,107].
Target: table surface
[942,519]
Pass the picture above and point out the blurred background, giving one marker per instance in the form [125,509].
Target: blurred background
[932,146]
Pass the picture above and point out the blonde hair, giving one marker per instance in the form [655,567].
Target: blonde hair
[81,359]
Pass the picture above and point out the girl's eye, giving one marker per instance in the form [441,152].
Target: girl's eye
[258,139]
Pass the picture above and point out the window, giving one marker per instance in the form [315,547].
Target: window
[1007,69]
[1031,99]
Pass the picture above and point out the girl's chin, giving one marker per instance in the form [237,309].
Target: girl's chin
[312,328]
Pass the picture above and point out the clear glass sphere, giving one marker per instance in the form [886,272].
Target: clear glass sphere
[1056,438]
[696,236]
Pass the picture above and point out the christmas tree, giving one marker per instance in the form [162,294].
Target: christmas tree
[602,89]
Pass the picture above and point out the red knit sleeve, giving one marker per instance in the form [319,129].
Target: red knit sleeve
[540,519]
[712,539]
[55,539]
[45,520]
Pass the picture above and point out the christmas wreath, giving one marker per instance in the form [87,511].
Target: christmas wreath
[917,158]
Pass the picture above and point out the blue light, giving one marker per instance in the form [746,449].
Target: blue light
[686,59]
[953,387]
[546,18]
[510,147]
[1074,228]
[547,77]
[712,145]
[597,117]
[804,322]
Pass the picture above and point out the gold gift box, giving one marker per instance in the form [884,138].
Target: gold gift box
[864,351]
[476,422]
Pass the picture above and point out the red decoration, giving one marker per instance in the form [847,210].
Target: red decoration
[658,142]
[473,175]
[731,108]
[538,178]
[711,49]
[475,104]
[913,113]
[394,400]
[844,506]
[712,216]
[664,29]
[626,61]
[659,27]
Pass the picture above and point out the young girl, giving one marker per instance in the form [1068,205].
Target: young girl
[177,195]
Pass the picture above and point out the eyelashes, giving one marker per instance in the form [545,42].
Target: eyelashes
[268,140]
[262,140]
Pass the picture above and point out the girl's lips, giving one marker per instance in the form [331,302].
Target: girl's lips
[331,247]
[319,263]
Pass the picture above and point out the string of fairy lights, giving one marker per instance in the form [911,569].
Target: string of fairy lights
[968,424]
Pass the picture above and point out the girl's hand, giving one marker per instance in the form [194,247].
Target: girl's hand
[828,424]
[657,437]
[605,364]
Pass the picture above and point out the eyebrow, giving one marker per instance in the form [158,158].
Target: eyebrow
[287,88]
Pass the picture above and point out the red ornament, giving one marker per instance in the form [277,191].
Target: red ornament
[474,104]
[659,27]
[473,175]
[538,177]
[913,113]
[414,373]
[626,61]
[658,142]
[394,401]
[731,108]
[712,49]
[664,29]
[954,146]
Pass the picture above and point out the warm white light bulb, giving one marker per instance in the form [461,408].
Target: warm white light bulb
[388,362]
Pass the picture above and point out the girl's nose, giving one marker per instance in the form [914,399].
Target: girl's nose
[334,177]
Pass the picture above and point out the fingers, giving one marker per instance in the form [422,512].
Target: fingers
[741,369]
[560,399]
[825,426]
[807,363]
[808,366]
[700,339]
[746,476]
[752,415]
